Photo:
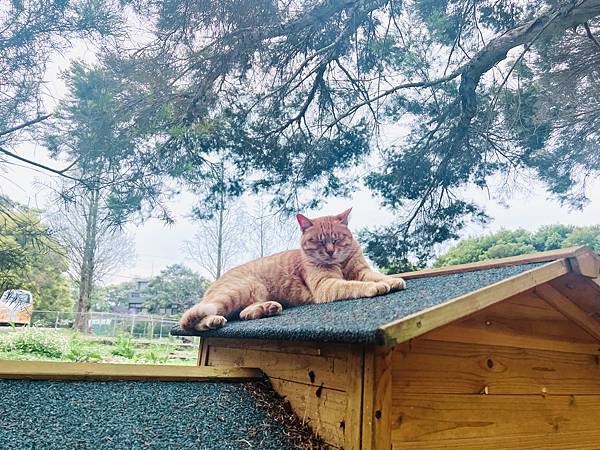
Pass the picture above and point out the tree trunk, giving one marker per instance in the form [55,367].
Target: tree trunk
[220,236]
[86,277]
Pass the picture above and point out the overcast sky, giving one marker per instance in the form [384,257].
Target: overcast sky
[158,245]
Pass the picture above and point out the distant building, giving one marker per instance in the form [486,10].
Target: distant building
[138,297]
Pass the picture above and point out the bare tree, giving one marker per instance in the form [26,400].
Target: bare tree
[269,232]
[95,249]
[220,241]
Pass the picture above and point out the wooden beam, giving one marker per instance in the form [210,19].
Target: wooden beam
[202,352]
[586,263]
[552,255]
[429,319]
[45,370]
[354,416]
[569,309]
[490,335]
[377,399]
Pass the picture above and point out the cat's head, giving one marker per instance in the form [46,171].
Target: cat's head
[327,239]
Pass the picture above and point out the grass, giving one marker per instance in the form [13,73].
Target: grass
[33,343]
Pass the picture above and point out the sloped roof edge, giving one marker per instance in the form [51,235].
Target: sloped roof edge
[583,259]
[417,324]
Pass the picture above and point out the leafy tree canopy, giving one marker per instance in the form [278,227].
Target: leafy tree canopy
[104,298]
[176,285]
[511,243]
[32,31]
[298,93]
[111,161]
[31,259]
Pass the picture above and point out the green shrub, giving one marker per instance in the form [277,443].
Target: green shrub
[79,351]
[49,344]
[124,347]
[153,357]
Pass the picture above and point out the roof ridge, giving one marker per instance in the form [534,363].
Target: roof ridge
[550,255]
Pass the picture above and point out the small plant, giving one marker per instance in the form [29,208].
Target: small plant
[124,347]
[44,343]
[153,357]
[79,352]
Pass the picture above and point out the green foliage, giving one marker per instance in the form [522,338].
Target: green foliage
[390,254]
[154,356]
[79,350]
[291,95]
[123,346]
[39,342]
[94,128]
[296,97]
[113,295]
[176,285]
[31,259]
[31,32]
[511,243]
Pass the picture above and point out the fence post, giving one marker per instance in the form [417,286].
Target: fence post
[56,321]
[132,324]
[161,325]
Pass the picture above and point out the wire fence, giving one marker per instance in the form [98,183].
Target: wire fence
[108,324]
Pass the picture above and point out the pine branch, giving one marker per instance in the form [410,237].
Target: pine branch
[25,124]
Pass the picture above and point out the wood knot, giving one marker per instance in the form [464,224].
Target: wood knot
[378,414]
[312,376]
[490,363]
[319,391]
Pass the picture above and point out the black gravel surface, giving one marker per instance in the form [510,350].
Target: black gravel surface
[103,415]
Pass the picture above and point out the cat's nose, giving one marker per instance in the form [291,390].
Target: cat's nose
[329,249]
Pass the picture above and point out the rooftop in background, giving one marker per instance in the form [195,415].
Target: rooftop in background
[432,298]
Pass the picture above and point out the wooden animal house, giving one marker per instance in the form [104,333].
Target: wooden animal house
[492,355]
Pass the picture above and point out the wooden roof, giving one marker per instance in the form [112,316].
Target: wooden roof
[580,260]
[433,298]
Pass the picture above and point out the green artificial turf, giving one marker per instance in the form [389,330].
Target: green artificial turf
[358,321]
[98,415]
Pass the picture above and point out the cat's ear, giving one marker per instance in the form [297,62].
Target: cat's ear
[343,217]
[305,222]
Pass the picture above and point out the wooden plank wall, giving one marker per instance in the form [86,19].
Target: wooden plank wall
[322,382]
[516,375]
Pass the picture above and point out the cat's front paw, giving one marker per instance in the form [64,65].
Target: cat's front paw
[211,322]
[377,288]
[396,283]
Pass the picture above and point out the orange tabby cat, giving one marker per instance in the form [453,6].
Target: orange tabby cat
[329,266]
